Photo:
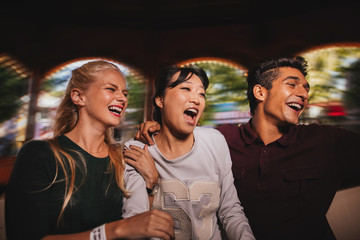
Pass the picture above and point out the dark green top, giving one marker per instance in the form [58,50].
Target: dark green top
[32,209]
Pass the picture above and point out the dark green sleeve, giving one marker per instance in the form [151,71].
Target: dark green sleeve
[31,208]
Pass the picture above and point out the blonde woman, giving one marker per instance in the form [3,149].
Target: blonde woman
[76,185]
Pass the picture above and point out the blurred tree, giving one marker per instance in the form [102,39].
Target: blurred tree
[55,85]
[136,98]
[335,85]
[12,87]
[352,92]
[326,76]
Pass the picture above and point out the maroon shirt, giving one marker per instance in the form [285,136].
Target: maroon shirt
[287,186]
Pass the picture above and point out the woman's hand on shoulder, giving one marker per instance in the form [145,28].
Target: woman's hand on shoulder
[142,160]
[145,130]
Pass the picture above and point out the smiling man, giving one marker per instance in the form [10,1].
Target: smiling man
[286,173]
[277,97]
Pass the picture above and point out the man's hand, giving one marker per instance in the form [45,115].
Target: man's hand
[146,129]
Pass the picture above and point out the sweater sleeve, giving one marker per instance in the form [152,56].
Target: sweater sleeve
[28,198]
[138,200]
[231,213]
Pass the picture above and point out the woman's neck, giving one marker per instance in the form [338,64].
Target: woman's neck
[173,145]
[89,139]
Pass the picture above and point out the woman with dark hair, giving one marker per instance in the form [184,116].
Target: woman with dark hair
[76,185]
[195,180]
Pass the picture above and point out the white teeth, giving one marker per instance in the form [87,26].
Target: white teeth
[192,110]
[295,105]
[115,109]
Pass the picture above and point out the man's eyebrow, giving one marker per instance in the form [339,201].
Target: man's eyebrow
[292,77]
[307,85]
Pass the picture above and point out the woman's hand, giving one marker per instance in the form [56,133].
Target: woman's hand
[153,223]
[146,129]
[142,160]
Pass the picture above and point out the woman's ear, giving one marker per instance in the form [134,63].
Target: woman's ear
[77,97]
[260,92]
[159,101]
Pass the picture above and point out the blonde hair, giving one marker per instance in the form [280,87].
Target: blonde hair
[66,119]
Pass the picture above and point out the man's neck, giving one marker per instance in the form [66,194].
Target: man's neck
[268,132]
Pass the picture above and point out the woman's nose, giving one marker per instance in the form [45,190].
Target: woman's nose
[194,99]
[121,98]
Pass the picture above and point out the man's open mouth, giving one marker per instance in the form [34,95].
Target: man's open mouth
[296,106]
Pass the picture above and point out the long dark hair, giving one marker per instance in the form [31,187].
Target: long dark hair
[164,78]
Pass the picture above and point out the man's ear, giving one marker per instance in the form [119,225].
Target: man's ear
[159,101]
[260,92]
[77,97]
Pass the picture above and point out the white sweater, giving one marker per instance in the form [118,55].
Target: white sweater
[198,188]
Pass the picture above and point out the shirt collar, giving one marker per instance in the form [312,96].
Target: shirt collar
[287,137]
[250,136]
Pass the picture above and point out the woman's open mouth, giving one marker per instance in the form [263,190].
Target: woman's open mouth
[190,115]
[116,110]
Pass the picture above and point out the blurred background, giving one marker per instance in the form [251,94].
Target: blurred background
[41,44]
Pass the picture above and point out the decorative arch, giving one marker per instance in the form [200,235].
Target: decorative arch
[55,81]
[215,60]
[226,95]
